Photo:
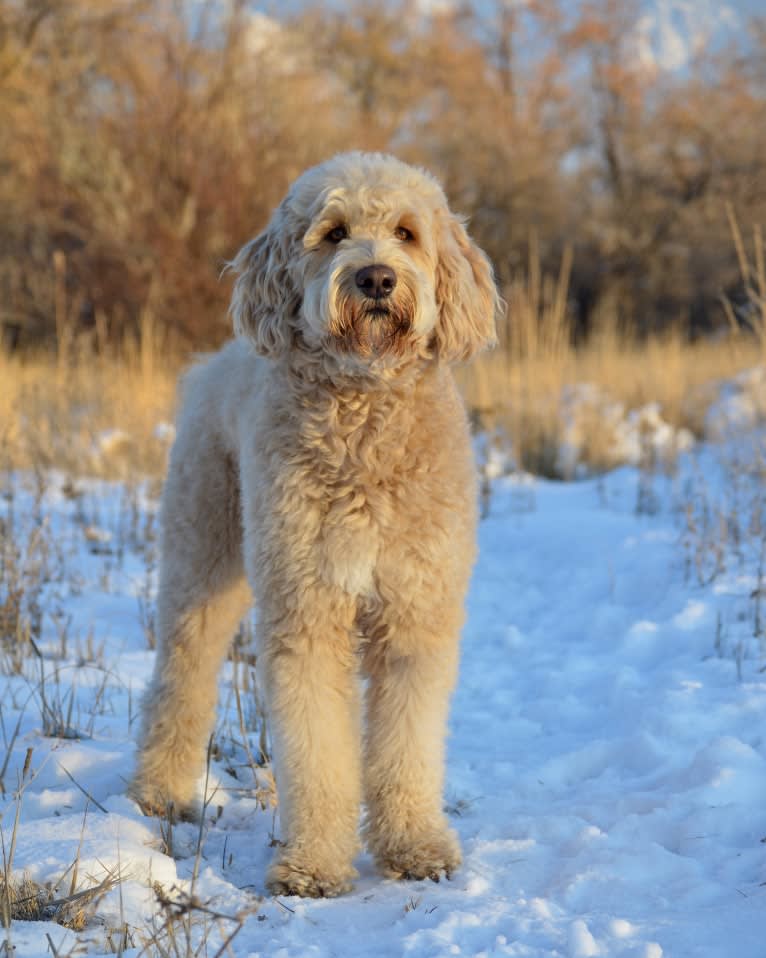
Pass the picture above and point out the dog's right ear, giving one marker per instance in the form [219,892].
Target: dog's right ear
[264,300]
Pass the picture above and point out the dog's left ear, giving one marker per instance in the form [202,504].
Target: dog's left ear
[466,295]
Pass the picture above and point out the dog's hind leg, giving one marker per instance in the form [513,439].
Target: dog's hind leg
[203,595]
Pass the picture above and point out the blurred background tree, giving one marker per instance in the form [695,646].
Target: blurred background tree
[143,141]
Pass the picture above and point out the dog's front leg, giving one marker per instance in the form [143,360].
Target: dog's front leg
[309,673]
[412,669]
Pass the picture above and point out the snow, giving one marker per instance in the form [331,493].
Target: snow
[607,756]
[740,405]
[632,435]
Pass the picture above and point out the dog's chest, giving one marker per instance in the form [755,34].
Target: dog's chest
[363,476]
[359,516]
[349,556]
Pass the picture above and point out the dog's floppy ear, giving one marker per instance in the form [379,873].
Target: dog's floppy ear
[466,296]
[264,299]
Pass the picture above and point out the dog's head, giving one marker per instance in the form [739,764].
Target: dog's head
[364,259]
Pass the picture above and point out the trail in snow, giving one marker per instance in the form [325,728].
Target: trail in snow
[606,768]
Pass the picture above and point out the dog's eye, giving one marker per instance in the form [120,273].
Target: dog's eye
[336,234]
[403,234]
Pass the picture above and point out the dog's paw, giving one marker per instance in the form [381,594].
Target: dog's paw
[296,877]
[154,802]
[424,856]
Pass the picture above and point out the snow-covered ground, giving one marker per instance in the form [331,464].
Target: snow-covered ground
[607,758]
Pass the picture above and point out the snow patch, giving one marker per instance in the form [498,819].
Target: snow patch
[596,426]
[740,406]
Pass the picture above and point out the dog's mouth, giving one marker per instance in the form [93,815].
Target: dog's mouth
[371,328]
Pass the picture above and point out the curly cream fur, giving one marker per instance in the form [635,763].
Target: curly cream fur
[331,479]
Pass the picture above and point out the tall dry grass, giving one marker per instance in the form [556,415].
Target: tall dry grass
[94,408]
[519,390]
[90,409]
[108,415]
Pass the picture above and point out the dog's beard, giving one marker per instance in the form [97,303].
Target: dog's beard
[374,328]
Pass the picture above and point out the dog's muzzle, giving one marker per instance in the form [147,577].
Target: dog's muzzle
[374,312]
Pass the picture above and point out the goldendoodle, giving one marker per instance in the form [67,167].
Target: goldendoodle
[323,466]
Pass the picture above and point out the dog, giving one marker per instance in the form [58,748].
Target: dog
[323,466]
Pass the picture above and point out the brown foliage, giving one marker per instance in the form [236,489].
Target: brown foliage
[142,142]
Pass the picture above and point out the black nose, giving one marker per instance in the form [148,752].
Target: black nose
[376,281]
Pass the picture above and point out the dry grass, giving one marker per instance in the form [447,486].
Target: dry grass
[93,409]
[523,395]
[99,415]
[518,389]
[89,411]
